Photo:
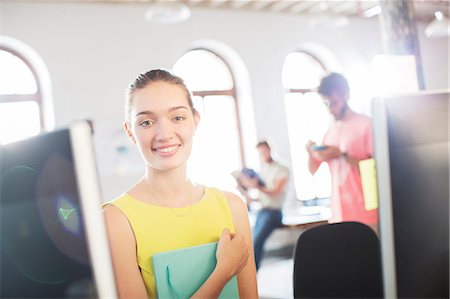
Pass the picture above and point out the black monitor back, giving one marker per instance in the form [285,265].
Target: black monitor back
[417,196]
[49,221]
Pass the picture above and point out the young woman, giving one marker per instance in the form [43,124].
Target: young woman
[164,210]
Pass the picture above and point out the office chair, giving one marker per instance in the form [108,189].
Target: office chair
[340,260]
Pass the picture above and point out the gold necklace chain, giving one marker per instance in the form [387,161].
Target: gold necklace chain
[182,211]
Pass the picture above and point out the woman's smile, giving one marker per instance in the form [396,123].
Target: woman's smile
[167,150]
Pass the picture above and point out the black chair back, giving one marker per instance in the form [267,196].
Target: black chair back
[340,260]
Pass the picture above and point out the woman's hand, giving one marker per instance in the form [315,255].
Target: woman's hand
[232,253]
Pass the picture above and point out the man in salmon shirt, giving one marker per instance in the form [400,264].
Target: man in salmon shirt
[347,141]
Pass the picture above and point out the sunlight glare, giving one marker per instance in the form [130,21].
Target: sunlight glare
[18,121]
[15,76]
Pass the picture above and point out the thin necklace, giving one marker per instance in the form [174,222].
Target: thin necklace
[181,211]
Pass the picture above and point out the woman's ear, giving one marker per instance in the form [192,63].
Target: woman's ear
[196,118]
[128,131]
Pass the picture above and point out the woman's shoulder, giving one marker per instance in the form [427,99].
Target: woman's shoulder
[117,201]
[118,209]
[235,202]
[113,213]
[227,195]
[238,210]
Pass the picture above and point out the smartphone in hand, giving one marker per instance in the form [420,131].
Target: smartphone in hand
[316,147]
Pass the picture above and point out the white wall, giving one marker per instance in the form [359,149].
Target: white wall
[94,50]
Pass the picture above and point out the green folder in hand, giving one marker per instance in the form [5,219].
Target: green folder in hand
[180,273]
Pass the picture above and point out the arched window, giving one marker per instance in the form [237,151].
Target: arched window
[21,96]
[217,150]
[308,119]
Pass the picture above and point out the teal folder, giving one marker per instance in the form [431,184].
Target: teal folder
[180,273]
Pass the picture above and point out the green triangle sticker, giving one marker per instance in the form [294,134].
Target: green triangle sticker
[65,213]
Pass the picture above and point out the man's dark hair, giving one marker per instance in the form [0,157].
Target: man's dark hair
[333,82]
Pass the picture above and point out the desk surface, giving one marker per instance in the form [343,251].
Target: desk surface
[301,216]
[304,216]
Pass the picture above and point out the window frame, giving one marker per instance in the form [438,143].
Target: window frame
[36,97]
[225,92]
[304,91]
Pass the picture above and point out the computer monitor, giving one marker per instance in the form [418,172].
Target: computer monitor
[411,139]
[53,241]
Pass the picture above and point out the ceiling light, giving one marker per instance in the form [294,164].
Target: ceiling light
[167,12]
[325,18]
[439,15]
[439,27]
[373,11]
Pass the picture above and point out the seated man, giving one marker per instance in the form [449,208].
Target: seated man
[271,183]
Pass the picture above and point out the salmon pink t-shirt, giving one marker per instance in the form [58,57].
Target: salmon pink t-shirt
[353,136]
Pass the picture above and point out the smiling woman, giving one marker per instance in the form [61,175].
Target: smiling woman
[161,122]
[162,130]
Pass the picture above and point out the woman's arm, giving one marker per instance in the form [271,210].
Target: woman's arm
[123,251]
[247,276]
[234,256]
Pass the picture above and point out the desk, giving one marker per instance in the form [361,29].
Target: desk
[295,221]
[302,217]
[306,217]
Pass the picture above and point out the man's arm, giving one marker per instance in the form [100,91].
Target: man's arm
[352,160]
[277,189]
[333,152]
[313,162]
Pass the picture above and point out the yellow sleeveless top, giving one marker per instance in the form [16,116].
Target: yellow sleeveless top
[158,229]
